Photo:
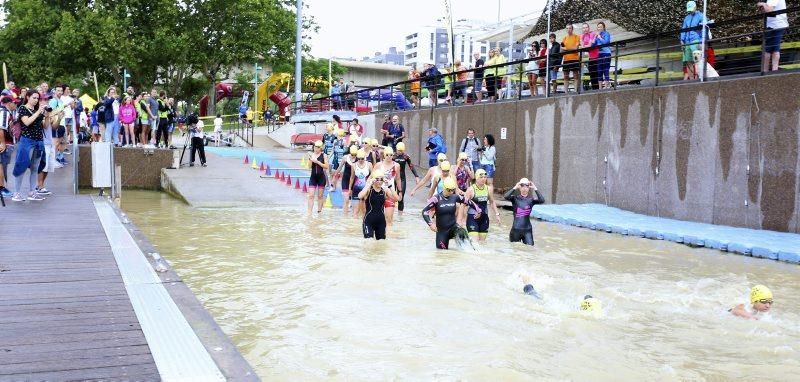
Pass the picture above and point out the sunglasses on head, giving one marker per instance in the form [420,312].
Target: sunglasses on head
[379,179]
[360,158]
[765,301]
[482,176]
[450,189]
[525,185]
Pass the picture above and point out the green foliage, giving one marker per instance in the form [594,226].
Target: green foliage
[166,43]
[315,73]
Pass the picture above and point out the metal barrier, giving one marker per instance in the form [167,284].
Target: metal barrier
[652,60]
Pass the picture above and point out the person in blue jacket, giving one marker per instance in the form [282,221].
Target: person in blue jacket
[690,40]
[436,145]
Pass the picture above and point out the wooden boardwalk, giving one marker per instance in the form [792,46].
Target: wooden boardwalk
[64,310]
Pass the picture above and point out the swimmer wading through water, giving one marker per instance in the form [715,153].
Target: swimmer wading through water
[443,206]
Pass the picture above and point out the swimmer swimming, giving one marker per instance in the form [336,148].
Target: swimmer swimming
[761,300]
[443,207]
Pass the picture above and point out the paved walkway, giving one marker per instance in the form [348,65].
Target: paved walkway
[65,300]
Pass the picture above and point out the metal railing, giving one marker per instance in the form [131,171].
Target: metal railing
[652,60]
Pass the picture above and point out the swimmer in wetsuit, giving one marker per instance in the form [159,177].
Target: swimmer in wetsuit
[391,172]
[403,159]
[481,192]
[318,178]
[761,300]
[345,171]
[375,196]
[443,206]
[432,172]
[522,229]
[464,175]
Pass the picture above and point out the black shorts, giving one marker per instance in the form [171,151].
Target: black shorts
[374,225]
[317,180]
[355,191]
[59,132]
[478,225]
[572,65]
[542,72]
[443,236]
[345,184]
[523,235]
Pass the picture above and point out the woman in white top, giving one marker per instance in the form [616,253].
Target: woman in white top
[488,157]
[218,129]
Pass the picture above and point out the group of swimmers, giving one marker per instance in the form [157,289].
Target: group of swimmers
[373,180]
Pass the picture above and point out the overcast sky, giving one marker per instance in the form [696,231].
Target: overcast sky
[358,28]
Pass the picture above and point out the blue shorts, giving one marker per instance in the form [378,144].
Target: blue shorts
[170,128]
[772,40]
[478,225]
[489,168]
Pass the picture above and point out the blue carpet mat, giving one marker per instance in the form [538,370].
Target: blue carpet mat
[751,242]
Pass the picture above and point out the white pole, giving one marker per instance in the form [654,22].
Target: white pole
[547,61]
[702,73]
[330,86]
[298,54]
[510,57]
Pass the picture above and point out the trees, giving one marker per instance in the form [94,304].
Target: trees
[315,73]
[159,42]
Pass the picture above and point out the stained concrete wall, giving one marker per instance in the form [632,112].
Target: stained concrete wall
[138,170]
[723,152]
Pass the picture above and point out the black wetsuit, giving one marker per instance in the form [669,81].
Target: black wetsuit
[522,229]
[445,210]
[402,159]
[346,171]
[317,178]
[374,224]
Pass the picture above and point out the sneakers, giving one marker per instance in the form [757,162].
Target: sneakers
[18,198]
[67,152]
[58,165]
[5,192]
[33,196]
[204,165]
[43,191]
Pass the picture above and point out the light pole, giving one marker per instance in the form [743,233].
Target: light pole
[256,68]
[125,77]
[298,54]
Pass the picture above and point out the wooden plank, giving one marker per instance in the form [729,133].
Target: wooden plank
[142,372]
[71,354]
[61,319]
[122,340]
[96,361]
[62,308]
[45,336]
[68,299]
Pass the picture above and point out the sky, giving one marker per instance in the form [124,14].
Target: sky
[359,28]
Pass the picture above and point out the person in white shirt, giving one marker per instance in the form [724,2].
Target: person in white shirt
[776,26]
[196,126]
[218,129]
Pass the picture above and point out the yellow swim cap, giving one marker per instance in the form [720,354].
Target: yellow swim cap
[318,144]
[760,292]
[388,151]
[329,127]
[591,304]
[462,156]
[378,173]
[361,154]
[374,142]
[441,157]
[353,150]
[480,173]
[449,184]
[340,132]
[401,146]
[444,166]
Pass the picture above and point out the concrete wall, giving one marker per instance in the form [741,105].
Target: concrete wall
[723,152]
[138,170]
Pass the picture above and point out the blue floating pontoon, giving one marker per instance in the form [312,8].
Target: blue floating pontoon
[751,242]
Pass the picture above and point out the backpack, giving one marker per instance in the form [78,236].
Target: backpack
[465,141]
[14,128]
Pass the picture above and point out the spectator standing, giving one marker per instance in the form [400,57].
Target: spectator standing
[588,38]
[335,96]
[533,68]
[163,121]
[387,121]
[690,40]
[436,145]
[356,129]
[776,26]
[477,76]
[35,120]
[488,156]
[459,82]
[602,37]
[470,146]
[152,103]
[432,82]
[413,74]
[351,95]
[172,119]
[127,117]
[396,132]
[7,108]
[141,121]
[494,76]
[196,134]
[554,61]
[572,67]
[542,63]
[218,129]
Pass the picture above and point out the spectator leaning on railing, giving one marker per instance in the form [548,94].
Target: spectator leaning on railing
[554,60]
[494,76]
[602,37]
[477,76]
[690,40]
[776,26]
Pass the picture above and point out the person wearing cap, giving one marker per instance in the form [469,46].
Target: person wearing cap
[318,178]
[433,171]
[442,207]
[376,196]
[528,288]
[464,175]
[760,300]
[358,179]
[690,40]
[437,184]
[7,107]
[345,171]
[402,159]
[390,170]
[522,204]
[328,139]
[339,148]
[481,192]
[591,305]
[436,146]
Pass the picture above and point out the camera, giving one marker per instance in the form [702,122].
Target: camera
[48,109]
[481,148]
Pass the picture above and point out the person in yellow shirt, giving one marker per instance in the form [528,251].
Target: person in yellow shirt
[494,76]
[249,117]
[571,64]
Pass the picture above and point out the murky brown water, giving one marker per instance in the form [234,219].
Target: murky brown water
[311,300]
